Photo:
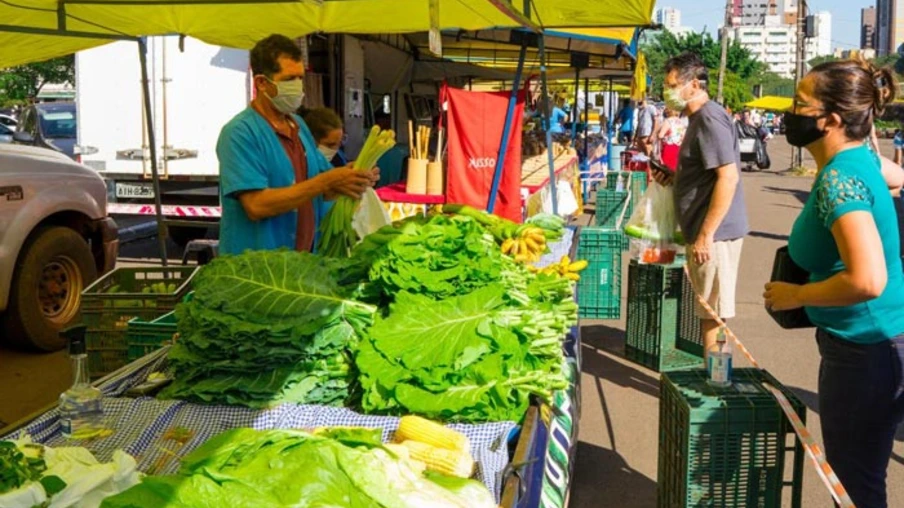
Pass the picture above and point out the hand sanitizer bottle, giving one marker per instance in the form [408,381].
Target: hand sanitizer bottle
[719,362]
[81,409]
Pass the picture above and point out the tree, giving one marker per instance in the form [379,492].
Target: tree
[740,61]
[735,91]
[18,84]
[821,60]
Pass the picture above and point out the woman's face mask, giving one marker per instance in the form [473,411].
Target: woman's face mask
[802,131]
[328,152]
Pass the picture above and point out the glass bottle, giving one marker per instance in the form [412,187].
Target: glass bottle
[81,406]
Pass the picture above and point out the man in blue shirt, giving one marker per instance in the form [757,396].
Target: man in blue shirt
[274,183]
[557,117]
[625,118]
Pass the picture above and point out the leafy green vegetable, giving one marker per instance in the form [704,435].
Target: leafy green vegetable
[265,328]
[52,485]
[16,468]
[451,360]
[279,468]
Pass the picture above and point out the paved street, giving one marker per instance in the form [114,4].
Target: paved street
[617,455]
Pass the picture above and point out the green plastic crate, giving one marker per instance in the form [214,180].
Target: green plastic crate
[635,181]
[726,446]
[655,307]
[107,315]
[599,290]
[609,207]
[144,337]
[690,335]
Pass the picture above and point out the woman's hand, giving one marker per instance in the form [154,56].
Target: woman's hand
[782,296]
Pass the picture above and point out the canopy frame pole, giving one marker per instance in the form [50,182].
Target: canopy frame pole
[574,110]
[507,129]
[152,146]
[75,34]
[610,128]
[553,187]
[586,115]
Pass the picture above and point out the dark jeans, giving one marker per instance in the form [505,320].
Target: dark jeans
[861,403]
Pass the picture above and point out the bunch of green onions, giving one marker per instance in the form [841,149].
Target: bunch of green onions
[337,236]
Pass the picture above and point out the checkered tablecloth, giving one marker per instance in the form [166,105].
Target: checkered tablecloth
[141,424]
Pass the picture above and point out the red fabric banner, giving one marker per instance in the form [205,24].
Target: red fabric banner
[475,122]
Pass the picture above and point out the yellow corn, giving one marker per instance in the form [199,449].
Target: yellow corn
[415,428]
[440,460]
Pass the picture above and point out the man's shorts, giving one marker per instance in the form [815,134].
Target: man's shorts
[716,280]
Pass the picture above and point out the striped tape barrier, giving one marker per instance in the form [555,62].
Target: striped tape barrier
[813,449]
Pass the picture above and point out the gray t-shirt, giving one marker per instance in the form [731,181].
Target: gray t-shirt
[645,121]
[711,141]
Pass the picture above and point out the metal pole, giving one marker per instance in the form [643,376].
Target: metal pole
[553,188]
[724,59]
[574,110]
[507,130]
[797,154]
[586,115]
[610,127]
[152,146]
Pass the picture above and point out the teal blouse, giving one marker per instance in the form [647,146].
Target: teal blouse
[851,181]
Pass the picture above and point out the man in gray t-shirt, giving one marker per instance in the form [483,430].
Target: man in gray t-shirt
[646,119]
[709,199]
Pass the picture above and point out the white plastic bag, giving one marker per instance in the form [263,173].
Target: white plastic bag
[371,215]
[566,201]
[653,226]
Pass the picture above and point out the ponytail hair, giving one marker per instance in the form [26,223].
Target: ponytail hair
[855,90]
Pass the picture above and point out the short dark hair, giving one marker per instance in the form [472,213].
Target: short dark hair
[689,67]
[321,121]
[265,54]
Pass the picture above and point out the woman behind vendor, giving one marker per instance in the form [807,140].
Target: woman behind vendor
[326,126]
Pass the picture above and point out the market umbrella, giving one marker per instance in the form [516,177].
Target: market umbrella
[771,103]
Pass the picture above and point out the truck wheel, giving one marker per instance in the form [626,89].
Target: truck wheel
[46,293]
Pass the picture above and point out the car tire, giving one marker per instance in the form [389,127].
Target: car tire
[182,235]
[53,269]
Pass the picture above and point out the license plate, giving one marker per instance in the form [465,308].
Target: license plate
[134,190]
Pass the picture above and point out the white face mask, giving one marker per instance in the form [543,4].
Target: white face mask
[289,95]
[327,152]
[674,100]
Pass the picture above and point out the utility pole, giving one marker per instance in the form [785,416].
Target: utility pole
[724,60]
[800,68]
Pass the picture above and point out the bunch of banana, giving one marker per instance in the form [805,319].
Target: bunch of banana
[564,268]
[527,245]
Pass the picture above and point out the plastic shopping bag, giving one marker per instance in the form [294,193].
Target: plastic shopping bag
[565,199]
[371,215]
[653,226]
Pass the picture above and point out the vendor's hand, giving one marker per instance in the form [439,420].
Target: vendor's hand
[782,296]
[348,181]
[374,176]
[703,248]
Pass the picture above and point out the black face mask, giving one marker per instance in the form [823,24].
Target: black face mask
[802,130]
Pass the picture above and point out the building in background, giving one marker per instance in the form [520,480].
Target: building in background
[847,54]
[889,26]
[868,28]
[774,42]
[670,19]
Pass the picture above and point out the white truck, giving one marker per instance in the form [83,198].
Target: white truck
[195,89]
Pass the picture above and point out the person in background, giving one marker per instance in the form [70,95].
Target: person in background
[846,237]
[646,123]
[558,116]
[625,123]
[326,127]
[670,136]
[709,200]
[274,184]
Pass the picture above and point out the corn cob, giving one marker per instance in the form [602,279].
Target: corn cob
[415,428]
[440,460]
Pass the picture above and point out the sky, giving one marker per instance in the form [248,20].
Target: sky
[710,13]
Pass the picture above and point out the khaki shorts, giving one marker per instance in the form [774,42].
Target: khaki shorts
[716,280]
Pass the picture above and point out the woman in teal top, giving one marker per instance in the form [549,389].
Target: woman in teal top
[847,238]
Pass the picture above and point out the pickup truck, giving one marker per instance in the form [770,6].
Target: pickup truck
[55,239]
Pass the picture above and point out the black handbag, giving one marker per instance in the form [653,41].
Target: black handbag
[784,269]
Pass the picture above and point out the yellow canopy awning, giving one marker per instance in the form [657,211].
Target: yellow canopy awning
[771,103]
[639,83]
[34,30]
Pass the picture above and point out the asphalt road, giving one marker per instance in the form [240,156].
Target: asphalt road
[617,454]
